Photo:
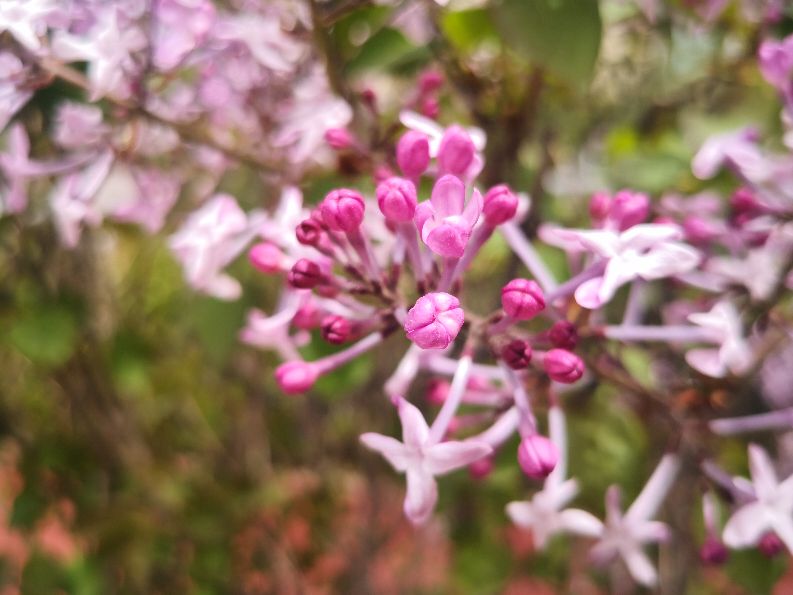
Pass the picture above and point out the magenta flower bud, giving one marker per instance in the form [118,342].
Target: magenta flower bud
[437,391]
[304,274]
[266,257]
[434,321]
[698,231]
[307,317]
[430,107]
[629,208]
[599,206]
[522,299]
[339,138]
[563,334]
[397,200]
[429,81]
[456,151]
[713,552]
[517,354]
[537,456]
[413,153]
[563,366]
[296,377]
[482,468]
[342,210]
[382,173]
[744,202]
[770,545]
[309,232]
[336,329]
[500,205]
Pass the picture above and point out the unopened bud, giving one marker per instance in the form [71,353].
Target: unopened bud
[522,299]
[434,321]
[296,377]
[266,257]
[456,151]
[336,329]
[342,210]
[413,153]
[563,334]
[517,354]
[397,200]
[563,366]
[305,274]
[500,205]
[537,456]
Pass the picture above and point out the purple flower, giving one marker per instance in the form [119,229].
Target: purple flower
[210,239]
[776,62]
[434,321]
[12,98]
[272,332]
[180,26]
[646,251]
[546,514]
[624,535]
[723,325]
[26,20]
[772,510]
[422,459]
[445,222]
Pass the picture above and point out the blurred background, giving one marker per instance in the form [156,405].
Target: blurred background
[145,449]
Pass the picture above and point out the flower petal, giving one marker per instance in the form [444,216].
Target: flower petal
[414,428]
[422,494]
[746,526]
[521,513]
[640,566]
[391,448]
[447,456]
[448,196]
[763,474]
[580,522]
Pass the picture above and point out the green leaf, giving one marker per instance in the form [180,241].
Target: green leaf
[47,334]
[383,50]
[468,28]
[560,35]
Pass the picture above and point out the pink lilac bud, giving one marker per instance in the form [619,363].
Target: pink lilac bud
[437,391]
[296,377]
[522,299]
[336,329]
[537,456]
[629,208]
[342,210]
[309,232]
[698,230]
[397,200]
[563,366]
[482,468]
[339,138]
[434,321]
[456,151]
[563,334]
[413,153]
[305,274]
[382,173]
[429,81]
[517,354]
[713,552]
[307,317]
[744,202]
[770,545]
[369,98]
[500,205]
[266,257]
[599,206]
[430,108]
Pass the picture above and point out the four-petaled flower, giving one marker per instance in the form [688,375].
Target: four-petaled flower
[771,511]
[647,251]
[733,355]
[421,459]
[445,221]
[546,514]
[624,535]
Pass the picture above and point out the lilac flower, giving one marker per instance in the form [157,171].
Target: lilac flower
[545,514]
[646,251]
[108,49]
[142,195]
[17,169]
[730,148]
[445,222]
[267,42]
[181,25]
[776,62]
[723,324]
[624,535]
[436,135]
[72,199]
[771,510]
[26,20]
[79,126]
[272,332]
[421,459]
[210,239]
[12,98]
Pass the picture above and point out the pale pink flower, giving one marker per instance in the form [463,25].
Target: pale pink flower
[26,20]
[647,251]
[210,239]
[625,535]
[267,42]
[12,98]
[723,324]
[445,221]
[771,510]
[108,48]
[422,459]
[272,332]
[180,26]
[545,514]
